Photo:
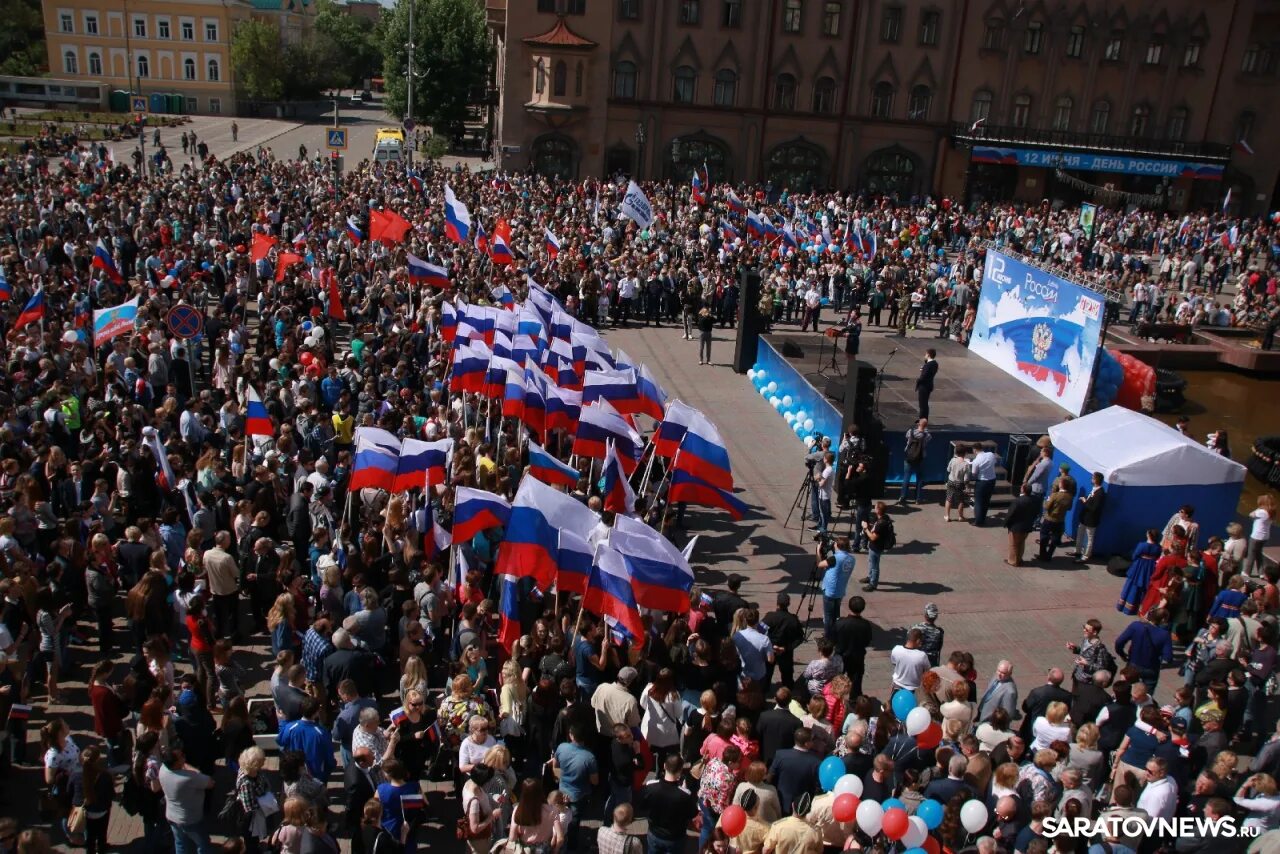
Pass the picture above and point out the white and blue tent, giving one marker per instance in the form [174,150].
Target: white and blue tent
[1149,470]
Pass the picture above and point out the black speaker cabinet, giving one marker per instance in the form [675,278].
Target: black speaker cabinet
[750,323]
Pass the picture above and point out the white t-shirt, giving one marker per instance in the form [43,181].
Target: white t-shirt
[909,666]
[1261,525]
[824,483]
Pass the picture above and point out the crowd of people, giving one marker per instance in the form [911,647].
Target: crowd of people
[149,545]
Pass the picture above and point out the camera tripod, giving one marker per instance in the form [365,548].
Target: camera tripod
[812,593]
[801,501]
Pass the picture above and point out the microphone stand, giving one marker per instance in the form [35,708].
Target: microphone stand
[880,380]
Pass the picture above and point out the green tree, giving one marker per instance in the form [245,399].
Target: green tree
[453,55]
[259,60]
[352,39]
[22,38]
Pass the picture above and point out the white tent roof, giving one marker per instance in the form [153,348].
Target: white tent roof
[1132,449]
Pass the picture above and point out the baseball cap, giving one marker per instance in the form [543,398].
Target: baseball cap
[931,611]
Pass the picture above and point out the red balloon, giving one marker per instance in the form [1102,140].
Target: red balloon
[931,845]
[930,738]
[845,807]
[306,357]
[895,823]
[734,820]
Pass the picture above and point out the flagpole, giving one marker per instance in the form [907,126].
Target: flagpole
[644,482]
[667,507]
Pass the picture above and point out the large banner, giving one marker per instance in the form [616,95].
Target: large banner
[1040,329]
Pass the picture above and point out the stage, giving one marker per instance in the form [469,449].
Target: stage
[972,399]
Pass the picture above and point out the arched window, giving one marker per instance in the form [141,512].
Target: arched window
[824,96]
[95,64]
[890,171]
[981,105]
[1062,113]
[1021,111]
[1140,120]
[686,153]
[797,166]
[726,87]
[577,80]
[144,67]
[1101,118]
[540,76]
[1178,123]
[70,62]
[683,85]
[555,157]
[188,69]
[624,80]
[882,100]
[920,102]
[784,92]
[214,70]
[559,79]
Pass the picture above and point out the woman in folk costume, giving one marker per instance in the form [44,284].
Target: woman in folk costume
[1138,578]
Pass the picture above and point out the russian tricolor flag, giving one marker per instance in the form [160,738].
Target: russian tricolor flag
[6,289]
[377,455]
[475,510]
[256,420]
[688,489]
[470,366]
[398,716]
[660,573]
[495,380]
[422,464]
[509,611]
[728,232]
[482,239]
[609,592]
[421,271]
[564,408]
[600,424]
[615,486]
[548,469]
[411,804]
[532,544]
[698,192]
[789,237]
[553,244]
[457,219]
[651,399]
[32,312]
[535,400]
[502,296]
[618,387]
[500,246]
[666,441]
[735,203]
[448,321]
[19,712]
[102,261]
[353,231]
[513,393]
[439,541]
[576,558]
[703,453]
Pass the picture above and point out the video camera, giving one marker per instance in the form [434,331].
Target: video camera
[814,456]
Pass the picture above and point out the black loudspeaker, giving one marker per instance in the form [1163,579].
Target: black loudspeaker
[792,350]
[862,388]
[835,388]
[1021,453]
[750,324]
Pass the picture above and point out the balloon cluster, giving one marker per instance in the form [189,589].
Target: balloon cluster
[1110,376]
[799,421]
[1137,390]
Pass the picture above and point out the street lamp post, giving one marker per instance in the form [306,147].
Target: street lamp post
[641,139]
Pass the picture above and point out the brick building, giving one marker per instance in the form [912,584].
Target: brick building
[1160,98]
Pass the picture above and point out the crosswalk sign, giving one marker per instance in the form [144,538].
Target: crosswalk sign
[336,138]
[138,104]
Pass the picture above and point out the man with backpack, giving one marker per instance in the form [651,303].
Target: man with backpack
[880,538]
[913,459]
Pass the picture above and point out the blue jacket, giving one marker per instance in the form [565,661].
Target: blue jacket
[1145,645]
[314,741]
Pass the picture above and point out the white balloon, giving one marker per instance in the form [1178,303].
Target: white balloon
[802,415]
[760,375]
[808,441]
[318,333]
[775,403]
[787,401]
[917,832]
[870,817]
[789,417]
[308,341]
[275,364]
[764,392]
[973,815]
[751,373]
[773,386]
[918,720]
[808,424]
[850,784]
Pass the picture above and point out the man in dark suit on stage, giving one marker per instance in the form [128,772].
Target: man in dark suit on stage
[924,382]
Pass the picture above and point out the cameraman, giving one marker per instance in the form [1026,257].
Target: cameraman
[813,463]
[837,570]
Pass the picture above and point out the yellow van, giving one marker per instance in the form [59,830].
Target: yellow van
[388,145]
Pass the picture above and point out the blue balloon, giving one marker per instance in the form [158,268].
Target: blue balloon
[931,813]
[916,850]
[893,803]
[831,770]
[903,702]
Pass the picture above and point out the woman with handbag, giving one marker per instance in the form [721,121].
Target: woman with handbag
[61,765]
[91,795]
[478,811]
[513,707]
[660,707]
[257,803]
